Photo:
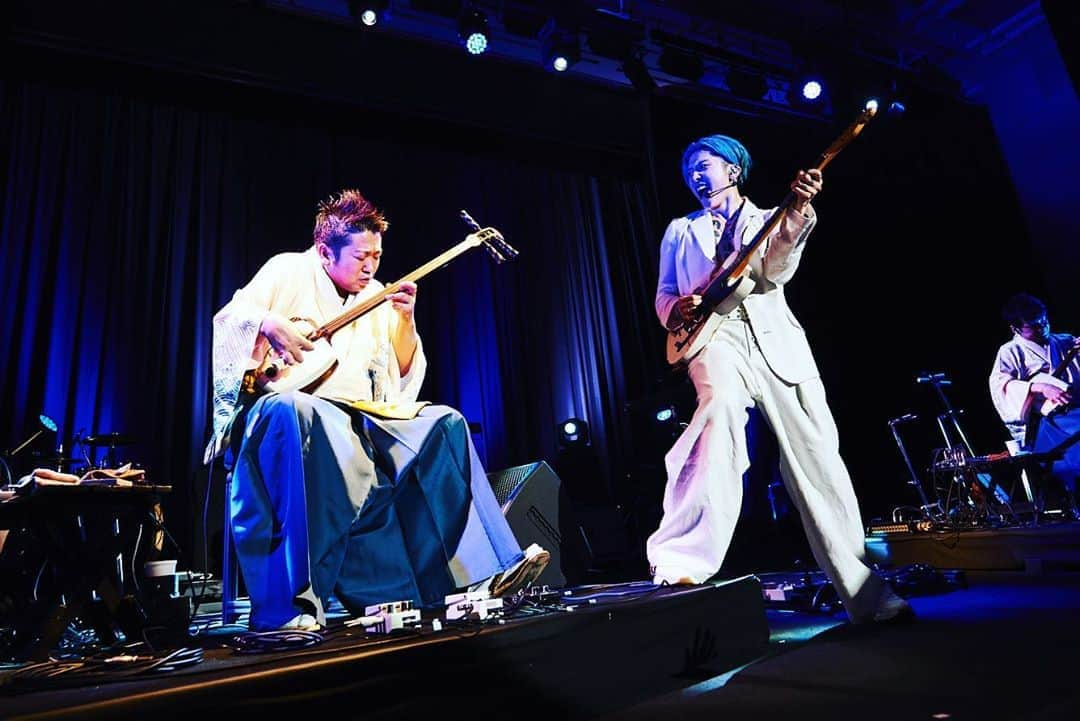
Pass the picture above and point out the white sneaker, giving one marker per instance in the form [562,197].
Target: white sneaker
[893,609]
[301,622]
[521,574]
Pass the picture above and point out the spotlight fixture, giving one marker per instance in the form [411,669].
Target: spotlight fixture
[472,28]
[573,432]
[806,92]
[666,414]
[559,47]
[614,37]
[368,12]
[682,64]
[811,90]
[46,423]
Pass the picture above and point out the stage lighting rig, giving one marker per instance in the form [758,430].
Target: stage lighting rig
[473,29]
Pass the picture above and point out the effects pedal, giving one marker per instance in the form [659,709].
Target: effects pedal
[387,617]
[472,606]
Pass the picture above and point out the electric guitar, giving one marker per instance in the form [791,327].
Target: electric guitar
[274,376]
[727,288]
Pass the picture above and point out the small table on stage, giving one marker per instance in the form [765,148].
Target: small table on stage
[79,529]
[965,468]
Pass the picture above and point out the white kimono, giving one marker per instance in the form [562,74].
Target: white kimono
[328,500]
[1016,362]
[295,285]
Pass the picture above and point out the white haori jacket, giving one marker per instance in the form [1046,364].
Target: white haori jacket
[1010,378]
[295,285]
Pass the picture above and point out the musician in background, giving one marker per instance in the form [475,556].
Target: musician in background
[1025,386]
[758,356]
[384,503]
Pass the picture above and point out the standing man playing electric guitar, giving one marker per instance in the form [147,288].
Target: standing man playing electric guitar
[346,486]
[1033,385]
[757,355]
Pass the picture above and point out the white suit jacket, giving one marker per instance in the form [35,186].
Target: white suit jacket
[687,258]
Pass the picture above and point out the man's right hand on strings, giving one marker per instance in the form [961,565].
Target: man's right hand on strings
[285,338]
[1052,393]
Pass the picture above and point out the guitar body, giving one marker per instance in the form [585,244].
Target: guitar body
[1048,406]
[687,340]
[274,376]
[1036,412]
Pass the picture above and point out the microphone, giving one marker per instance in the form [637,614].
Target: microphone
[903,419]
[933,378]
[714,193]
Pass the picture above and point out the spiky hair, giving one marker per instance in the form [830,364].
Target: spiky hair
[345,213]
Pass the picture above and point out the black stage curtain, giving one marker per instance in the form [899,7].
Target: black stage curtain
[130,216]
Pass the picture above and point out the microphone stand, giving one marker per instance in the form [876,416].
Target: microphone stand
[914,481]
[958,454]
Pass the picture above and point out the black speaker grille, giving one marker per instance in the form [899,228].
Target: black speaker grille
[506,483]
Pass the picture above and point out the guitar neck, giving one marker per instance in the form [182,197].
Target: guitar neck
[339,322]
[774,220]
[1065,361]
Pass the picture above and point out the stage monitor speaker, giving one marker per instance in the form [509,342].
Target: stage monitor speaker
[529,498]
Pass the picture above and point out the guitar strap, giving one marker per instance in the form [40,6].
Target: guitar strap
[725,234]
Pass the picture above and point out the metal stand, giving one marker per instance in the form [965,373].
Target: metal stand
[930,511]
[978,495]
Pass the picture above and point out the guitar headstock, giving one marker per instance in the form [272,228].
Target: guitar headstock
[494,244]
[865,116]
[491,239]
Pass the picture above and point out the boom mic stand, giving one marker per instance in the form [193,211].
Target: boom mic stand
[930,511]
[973,497]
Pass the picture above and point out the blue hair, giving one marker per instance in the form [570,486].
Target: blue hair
[723,146]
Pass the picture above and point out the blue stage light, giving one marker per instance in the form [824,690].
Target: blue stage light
[472,27]
[811,90]
[573,432]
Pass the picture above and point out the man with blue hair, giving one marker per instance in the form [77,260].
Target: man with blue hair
[758,356]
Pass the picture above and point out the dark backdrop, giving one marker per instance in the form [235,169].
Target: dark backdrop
[138,195]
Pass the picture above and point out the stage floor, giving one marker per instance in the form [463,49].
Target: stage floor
[1048,545]
[987,649]
[590,650]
